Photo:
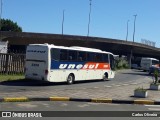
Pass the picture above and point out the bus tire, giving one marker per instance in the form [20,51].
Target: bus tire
[105,76]
[70,79]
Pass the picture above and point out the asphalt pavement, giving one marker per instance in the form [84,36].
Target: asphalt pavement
[121,87]
[91,110]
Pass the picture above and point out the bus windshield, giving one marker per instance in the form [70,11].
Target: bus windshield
[155,62]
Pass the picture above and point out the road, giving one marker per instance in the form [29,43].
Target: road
[74,106]
[81,107]
[121,87]
[126,76]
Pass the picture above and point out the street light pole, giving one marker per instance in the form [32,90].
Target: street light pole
[1,19]
[63,21]
[127,30]
[134,26]
[1,16]
[89,16]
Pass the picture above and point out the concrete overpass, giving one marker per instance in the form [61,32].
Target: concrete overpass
[120,47]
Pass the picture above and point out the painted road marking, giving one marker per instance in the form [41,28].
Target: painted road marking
[153,107]
[108,86]
[95,87]
[125,84]
[134,83]
[83,105]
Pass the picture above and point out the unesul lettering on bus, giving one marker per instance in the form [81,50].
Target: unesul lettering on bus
[85,66]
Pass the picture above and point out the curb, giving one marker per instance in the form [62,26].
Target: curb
[94,100]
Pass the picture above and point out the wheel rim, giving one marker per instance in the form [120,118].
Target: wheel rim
[70,79]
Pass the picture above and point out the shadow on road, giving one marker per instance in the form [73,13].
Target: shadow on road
[24,82]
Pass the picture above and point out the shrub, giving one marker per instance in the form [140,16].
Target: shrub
[121,63]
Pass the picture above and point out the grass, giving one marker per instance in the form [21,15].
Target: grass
[10,77]
[140,89]
[155,84]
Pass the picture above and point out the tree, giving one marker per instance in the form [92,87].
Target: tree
[9,25]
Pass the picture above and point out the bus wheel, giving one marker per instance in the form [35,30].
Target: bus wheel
[105,76]
[70,79]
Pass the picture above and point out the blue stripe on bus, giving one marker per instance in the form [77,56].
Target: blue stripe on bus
[65,65]
[79,65]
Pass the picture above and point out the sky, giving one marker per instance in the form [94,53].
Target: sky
[108,17]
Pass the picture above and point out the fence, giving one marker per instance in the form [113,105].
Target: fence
[12,63]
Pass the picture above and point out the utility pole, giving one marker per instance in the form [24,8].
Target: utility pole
[1,16]
[127,30]
[134,26]
[89,16]
[63,21]
[1,19]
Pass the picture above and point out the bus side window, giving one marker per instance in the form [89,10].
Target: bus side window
[90,56]
[82,56]
[105,58]
[63,55]
[98,57]
[72,55]
[55,54]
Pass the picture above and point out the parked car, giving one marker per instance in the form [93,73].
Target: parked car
[153,68]
[135,66]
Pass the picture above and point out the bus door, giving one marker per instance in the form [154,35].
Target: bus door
[112,66]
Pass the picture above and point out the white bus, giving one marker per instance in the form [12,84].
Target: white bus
[146,63]
[67,64]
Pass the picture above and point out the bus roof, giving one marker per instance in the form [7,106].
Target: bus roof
[72,48]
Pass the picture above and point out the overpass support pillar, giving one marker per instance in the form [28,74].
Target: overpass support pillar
[129,58]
